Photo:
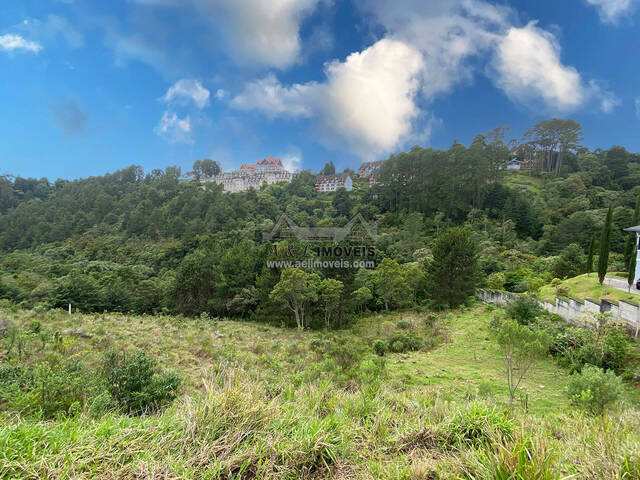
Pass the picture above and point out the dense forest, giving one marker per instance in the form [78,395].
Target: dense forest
[162,241]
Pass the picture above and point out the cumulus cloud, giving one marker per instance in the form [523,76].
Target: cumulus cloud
[270,97]
[174,128]
[611,11]
[261,32]
[11,43]
[367,102]
[292,161]
[70,117]
[188,90]
[528,66]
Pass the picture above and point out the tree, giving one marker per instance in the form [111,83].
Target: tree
[342,202]
[329,168]
[361,297]
[553,139]
[295,290]
[605,239]
[391,284]
[631,274]
[453,273]
[592,246]
[210,168]
[570,261]
[330,292]
[594,389]
[521,347]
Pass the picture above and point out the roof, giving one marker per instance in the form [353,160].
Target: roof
[246,166]
[633,229]
[270,161]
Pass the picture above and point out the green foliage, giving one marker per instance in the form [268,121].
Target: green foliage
[570,262]
[135,383]
[592,246]
[480,425]
[524,309]
[594,389]
[605,239]
[521,347]
[380,347]
[453,273]
[296,290]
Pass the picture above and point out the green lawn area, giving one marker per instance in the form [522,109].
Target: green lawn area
[470,365]
[522,179]
[587,286]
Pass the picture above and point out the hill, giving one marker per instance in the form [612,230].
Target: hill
[263,402]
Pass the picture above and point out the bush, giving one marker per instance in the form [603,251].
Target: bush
[136,385]
[480,425]
[380,347]
[404,325]
[406,342]
[524,309]
[594,389]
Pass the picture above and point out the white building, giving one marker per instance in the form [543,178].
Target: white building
[331,183]
[268,170]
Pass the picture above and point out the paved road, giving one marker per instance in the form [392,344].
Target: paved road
[620,285]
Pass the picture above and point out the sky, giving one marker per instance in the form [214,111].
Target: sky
[89,87]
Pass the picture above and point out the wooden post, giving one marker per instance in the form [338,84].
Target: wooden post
[69,309]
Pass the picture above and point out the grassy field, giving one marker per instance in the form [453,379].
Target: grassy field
[587,286]
[523,180]
[264,402]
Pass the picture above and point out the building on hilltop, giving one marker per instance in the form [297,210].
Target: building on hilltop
[331,183]
[369,170]
[268,170]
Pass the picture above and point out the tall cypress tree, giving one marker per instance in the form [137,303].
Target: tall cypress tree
[592,247]
[605,240]
[631,275]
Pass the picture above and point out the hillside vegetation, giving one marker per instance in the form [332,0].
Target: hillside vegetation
[262,402]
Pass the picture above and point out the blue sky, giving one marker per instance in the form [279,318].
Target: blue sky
[88,87]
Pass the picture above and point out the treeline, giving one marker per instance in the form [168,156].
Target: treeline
[150,242]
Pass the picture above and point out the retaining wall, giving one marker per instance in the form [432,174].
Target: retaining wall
[579,312]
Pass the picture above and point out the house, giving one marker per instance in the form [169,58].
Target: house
[369,170]
[331,183]
[267,170]
[636,230]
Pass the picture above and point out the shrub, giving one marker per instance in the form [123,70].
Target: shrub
[135,384]
[524,309]
[479,425]
[404,325]
[496,280]
[380,347]
[397,346]
[594,389]
[406,342]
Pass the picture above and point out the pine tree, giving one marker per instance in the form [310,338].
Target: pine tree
[592,247]
[631,276]
[605,240]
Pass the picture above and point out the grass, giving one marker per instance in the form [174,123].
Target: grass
[523,180]
[259,402]
[587,287]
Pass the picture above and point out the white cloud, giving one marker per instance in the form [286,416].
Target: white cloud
[258,31]
[367,101]
[292,161]
[10,43]
[188,90]
[270,97]
[607,100]
[174,128]
[611,11]
[220,94]
[528,67]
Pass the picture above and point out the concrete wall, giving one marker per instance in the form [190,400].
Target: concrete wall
[579,312]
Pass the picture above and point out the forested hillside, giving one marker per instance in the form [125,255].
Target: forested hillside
[141,242]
